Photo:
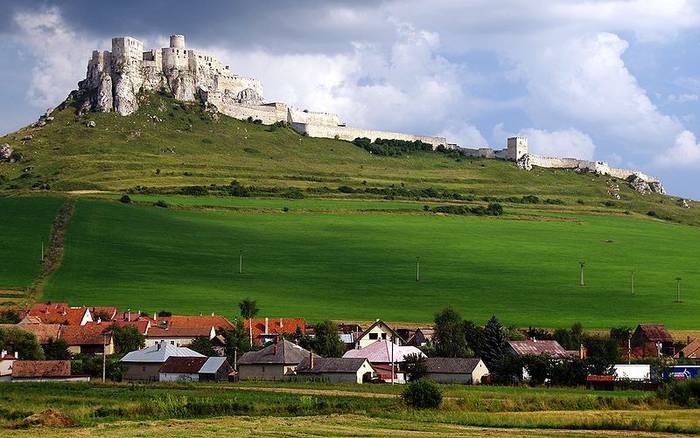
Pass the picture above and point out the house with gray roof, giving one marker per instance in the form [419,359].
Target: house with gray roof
[336,369]
[467,371]
[144,365]
[195,369]
[275,362]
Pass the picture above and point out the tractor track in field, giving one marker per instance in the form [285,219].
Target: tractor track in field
[53,253]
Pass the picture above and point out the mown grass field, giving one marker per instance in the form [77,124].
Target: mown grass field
[24,224]
[349,264]
[346,410]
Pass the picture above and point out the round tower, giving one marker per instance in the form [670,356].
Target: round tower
[177,41]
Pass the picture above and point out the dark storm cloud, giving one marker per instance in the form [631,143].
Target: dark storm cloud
[280,26]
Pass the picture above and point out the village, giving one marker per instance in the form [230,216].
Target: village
[56,342]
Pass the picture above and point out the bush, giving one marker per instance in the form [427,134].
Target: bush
[684,393]
[161,204]
[125,199]
[194,191]
[422,394]
[346,189]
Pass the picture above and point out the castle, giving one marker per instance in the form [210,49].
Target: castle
[115,79]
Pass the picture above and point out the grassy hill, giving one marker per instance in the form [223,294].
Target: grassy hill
[172,144]
[347,248]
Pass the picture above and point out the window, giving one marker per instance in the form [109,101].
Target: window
[374,336]
[172,342]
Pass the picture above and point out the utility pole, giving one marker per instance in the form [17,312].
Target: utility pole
[104,357]
[633,282]
[42,250]
[417,268]
[392,360]
[629,347]
[240,262]
[678,289]
[582,264]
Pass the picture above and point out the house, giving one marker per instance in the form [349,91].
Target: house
[422,336]
[58,313]
[378,331]
[690,351]
[534,347]
[44,371]
[652,340]
[144,365]
[6,361]
[382,354]
[269,329]
[195,369]
[43,332]
[467,371]
[275,362]
[93,337]
[181,330]
[336,369]
[348,333]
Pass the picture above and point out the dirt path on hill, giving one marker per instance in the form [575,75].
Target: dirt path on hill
[53,253]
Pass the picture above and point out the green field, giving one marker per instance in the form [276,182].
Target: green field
[360,264]
[316,409]
[24,224]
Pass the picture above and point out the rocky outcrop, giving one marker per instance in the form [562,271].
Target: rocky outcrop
[524,163]
[643,186]
[5,152]
[249,96]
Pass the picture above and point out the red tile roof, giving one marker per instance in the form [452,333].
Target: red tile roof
[109,311]
[43,332]
[184,365]
[88,334]
[179,332]
[216,321]
[58,313]
[538,348]
[691,351]
[41,368]
[275,326]
[655,332]
[142,325]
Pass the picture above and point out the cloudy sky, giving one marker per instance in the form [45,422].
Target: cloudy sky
[612,80]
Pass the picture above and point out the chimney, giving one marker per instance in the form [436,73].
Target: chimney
[266,325]
[16,355]
[311,359]
[155,316]
[281,324]
[128,315]
[212,313]
[582,352]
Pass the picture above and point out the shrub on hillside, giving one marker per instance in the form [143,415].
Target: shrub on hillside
[194,191]
[161,204]
[125,199]
[422,394]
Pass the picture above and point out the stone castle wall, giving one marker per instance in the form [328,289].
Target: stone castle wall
[599,167]
[349,134]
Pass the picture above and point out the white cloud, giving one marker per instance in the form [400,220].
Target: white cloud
[684,153]
[683,98]
[564,143]
[60,54]
[465,135]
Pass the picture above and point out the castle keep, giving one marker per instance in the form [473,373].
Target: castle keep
[115,79]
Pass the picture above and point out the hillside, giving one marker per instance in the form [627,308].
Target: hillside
[170,144]
[327,229]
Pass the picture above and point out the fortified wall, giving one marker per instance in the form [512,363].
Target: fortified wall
[115,78]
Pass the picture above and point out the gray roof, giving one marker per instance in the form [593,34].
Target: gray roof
[331,365]
[283,352]
[451,365]
[158,353]
[212,365]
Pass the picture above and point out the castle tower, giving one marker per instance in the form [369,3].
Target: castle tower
[517,147]
[177,41]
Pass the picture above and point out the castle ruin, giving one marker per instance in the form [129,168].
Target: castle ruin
[115,79]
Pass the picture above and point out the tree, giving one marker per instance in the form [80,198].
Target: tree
[494,345]
[422,394]
[236,341]
[415,366]
[538,368]
[127,338]
[202,345]
[474,335]
[327,341]
[449,334]
[22,342]
[56,350]
[9,317]
[249,308]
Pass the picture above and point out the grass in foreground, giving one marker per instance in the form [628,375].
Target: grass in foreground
[360,265]
[103,406]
